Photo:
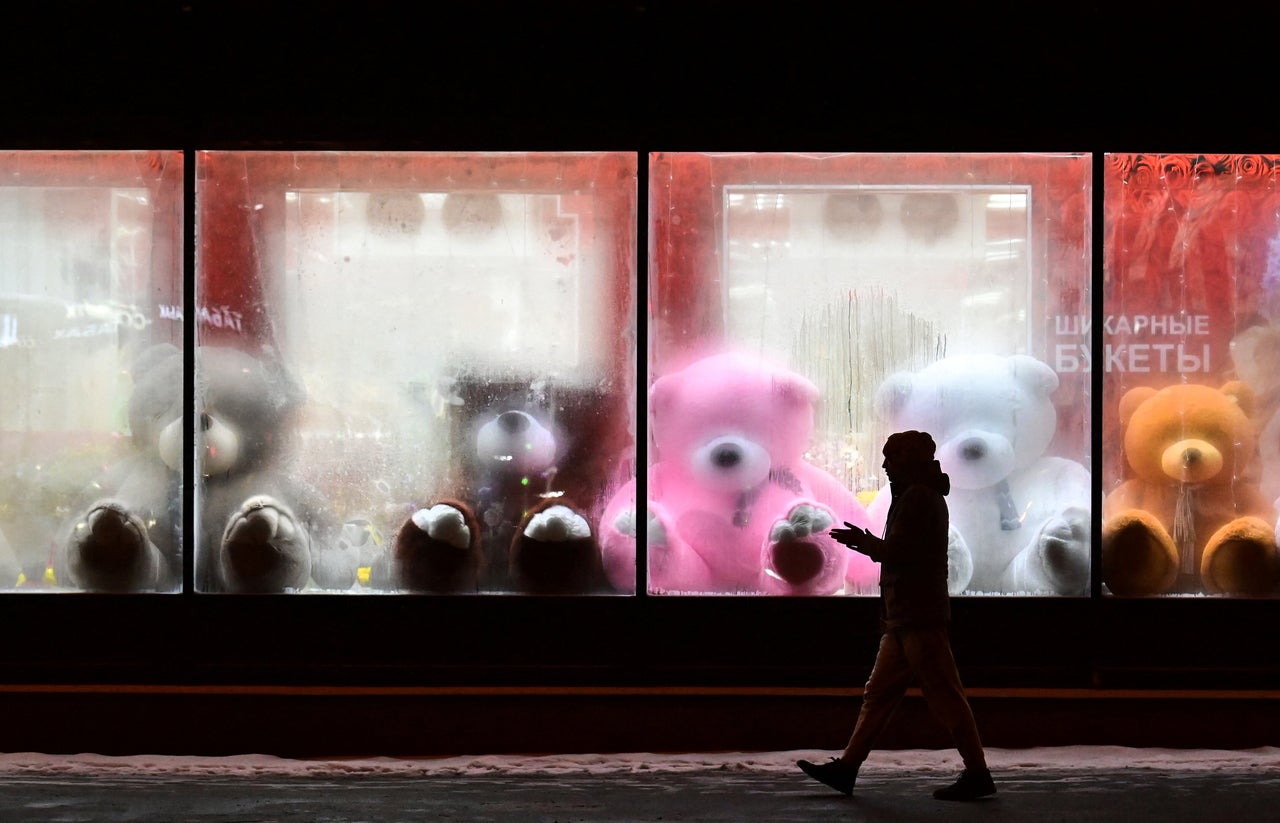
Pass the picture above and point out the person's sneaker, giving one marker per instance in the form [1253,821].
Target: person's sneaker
[971,785]
[836,773]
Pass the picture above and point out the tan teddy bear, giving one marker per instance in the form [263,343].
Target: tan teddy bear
[1190,518]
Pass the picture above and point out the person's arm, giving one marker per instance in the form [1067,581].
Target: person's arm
[908,529]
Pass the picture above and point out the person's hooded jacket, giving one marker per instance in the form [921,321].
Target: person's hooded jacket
[913,554]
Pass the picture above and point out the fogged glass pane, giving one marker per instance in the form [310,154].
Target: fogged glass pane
[953,264]
[497,279]
[87,329]
[882,299]
[1191,445]
[862,283]
[460,373]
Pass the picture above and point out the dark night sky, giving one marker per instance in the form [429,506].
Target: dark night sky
[643,74]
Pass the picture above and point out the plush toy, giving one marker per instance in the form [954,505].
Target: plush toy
[514,536]
[618,532]
[1190,518]
[1019,517]
[555,552]
[514,457]
[733,505]
[260,529]
[437,550]
[127,537]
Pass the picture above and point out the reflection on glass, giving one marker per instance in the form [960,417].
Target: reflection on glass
[89,336]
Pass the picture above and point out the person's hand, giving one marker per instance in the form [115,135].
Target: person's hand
[850,536]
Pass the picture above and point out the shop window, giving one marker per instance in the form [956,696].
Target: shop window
[806,306]
[416,371]
[1191,437]
[90,334]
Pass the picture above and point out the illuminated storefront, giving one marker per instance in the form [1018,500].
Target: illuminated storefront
[406,331]
[947,293]
[1189,424]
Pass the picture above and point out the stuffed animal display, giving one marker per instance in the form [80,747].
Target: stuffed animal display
[1019,516]
[733,505]
[261,530]
[510,536]
[1190,518]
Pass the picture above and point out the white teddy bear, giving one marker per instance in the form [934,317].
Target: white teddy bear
[1020,519]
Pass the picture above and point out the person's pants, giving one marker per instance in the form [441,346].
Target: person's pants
[926,653]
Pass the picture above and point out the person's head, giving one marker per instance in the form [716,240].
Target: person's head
[906,453]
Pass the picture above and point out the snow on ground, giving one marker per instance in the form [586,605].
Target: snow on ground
[1001,761]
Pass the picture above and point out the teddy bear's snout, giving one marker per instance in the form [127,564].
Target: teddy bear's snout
[727,455]
[976,459]
[221,446]
[732,463]
[973,449]
[1191,461]
[513,422]
[514,441]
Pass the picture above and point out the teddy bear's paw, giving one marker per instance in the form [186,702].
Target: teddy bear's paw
[1063,547]
[794,557]
[959,562]
[445,524]
[801,521]
[557,523]
[625,523]
[1138,556]
[656,531]
[437,549]
[1240,559]
[666,554]
[555,553]
[265,549]
[109,550]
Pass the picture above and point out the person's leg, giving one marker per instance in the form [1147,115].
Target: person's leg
[928,652]
[880,697]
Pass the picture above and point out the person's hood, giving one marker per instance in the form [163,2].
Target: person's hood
[930,474]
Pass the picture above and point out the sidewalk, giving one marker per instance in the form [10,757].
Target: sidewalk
[1075,783]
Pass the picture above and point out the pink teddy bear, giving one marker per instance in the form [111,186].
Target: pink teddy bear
[733,505]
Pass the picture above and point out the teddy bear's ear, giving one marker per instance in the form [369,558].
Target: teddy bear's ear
[151,357]
[660,394]
[893,393]
[1132,399]
[1242,393]
[1034,374]
[795,390]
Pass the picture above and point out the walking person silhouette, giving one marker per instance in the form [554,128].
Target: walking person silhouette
[915,614]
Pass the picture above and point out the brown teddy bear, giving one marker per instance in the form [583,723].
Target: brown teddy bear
[1190,518]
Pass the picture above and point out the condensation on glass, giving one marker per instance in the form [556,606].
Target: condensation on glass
[416,371]
[844,297]
[1191,398]
[90,346]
